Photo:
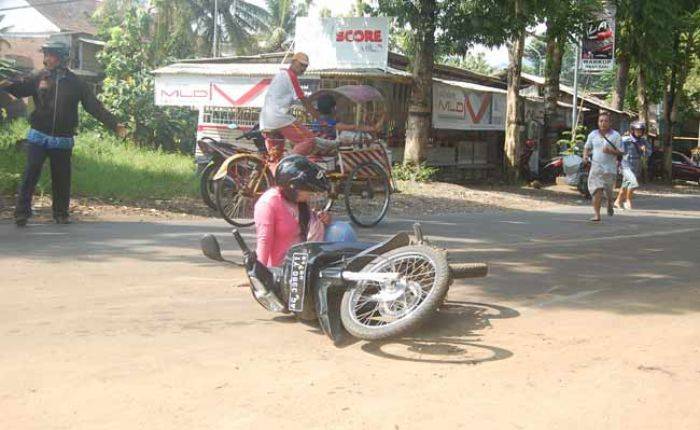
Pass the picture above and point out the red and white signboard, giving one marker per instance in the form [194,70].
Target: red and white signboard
[457,108]
[343,43]
[199,91]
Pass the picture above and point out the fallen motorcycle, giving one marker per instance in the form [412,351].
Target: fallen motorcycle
[370,291]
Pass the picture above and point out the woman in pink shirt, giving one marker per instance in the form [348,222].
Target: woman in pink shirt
[282,215]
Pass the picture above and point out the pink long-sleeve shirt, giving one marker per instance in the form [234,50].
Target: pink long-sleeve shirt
[277,227]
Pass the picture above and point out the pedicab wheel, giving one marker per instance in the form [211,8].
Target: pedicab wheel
[367,193]
[206,185]
[372,310]
[236,193]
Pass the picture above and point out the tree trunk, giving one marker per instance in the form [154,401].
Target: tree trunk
[420,102]
[642,98]
[514,111]
[669,106]
[621,81]
[555,53]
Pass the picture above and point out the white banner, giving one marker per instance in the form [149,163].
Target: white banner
[598,45]
[462,109]
[343,43]
[215,91]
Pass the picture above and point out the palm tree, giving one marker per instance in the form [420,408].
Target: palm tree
[6,68]
[282,20]
[238,22]
[3,30]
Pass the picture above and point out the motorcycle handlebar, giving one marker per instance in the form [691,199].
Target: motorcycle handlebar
[241,242]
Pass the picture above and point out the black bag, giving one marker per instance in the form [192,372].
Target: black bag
[619,157]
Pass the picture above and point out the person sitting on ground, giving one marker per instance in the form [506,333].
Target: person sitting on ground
[283,217]
[635,147]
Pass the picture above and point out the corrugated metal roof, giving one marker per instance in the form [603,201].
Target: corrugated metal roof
[268,69]
[471,86]
[539,80]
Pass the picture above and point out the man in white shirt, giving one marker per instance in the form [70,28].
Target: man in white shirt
[605,146]
[275,118]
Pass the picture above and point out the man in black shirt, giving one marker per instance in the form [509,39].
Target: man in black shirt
[56,92]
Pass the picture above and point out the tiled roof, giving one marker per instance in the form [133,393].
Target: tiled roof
[69,16]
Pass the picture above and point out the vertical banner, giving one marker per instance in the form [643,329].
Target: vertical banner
[598,45]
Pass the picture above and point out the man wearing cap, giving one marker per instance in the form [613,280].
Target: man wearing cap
[275,117]
[56,92]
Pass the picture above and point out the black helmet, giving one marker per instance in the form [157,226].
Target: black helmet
[325,104]
[60,49]
[296,173]
[638,125]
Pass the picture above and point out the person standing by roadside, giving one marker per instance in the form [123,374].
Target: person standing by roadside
[602,149]
[636,149]
[56,92]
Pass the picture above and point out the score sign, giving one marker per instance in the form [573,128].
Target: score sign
[343,43]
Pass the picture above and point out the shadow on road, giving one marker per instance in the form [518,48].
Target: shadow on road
[451,337]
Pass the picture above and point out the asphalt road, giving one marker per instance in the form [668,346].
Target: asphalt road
[124,325]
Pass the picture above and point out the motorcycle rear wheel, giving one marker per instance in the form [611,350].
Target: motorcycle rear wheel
[372,311]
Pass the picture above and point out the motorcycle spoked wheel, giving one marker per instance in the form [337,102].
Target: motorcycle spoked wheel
[372,311]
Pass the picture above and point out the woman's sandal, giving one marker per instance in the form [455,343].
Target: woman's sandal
[594,219]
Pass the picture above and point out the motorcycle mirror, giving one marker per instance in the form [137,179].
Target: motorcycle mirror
[211,248]
[233,126]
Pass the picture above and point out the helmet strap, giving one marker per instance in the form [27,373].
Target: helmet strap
[304,219]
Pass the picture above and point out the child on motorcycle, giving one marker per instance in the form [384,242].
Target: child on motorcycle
[283,217]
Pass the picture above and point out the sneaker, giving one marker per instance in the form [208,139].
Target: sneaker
[62,219]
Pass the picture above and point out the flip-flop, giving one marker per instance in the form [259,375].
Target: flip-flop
[594,219]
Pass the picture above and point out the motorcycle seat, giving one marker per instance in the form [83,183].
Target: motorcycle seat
[363,258]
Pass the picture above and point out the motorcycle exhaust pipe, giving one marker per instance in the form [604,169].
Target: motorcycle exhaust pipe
[468,270]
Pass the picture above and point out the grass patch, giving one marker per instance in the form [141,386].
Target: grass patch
[105,167]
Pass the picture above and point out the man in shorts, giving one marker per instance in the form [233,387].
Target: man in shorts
[602,149]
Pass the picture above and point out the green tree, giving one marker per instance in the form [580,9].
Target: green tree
[534,54]
[421,18]
[281,21]
[564,21]
[238,23]
[3,30]
[128,59]
[683,55]
[473,62]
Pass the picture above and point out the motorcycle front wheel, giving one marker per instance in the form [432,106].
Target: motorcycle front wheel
[372,310]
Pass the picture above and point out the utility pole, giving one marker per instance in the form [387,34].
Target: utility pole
[215,43]
[574,111]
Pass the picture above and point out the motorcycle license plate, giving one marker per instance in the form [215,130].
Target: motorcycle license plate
[297,282]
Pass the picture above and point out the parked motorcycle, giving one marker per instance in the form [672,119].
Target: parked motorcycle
[547,171]
[569,165]
[369,291]
[215,152]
